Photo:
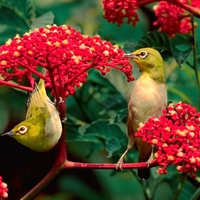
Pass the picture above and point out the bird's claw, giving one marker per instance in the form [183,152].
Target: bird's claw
[64,120]
[59,102]
[149,160]
[119,165]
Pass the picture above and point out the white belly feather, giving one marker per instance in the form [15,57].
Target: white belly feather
[148,98]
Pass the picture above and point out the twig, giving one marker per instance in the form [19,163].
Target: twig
[180,186]
[194,10]
[70,164]
[28,89]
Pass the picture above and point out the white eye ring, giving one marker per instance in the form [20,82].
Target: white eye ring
[143,54]
[22,130]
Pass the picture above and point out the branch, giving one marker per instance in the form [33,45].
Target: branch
[194,10]
[88,66]
[55,170]
[60,166]
[70,164]
[35,190]
[54,86]
[15,85]
[145,2]
[39,74]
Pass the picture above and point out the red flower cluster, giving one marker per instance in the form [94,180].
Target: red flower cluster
[173,19]
[64,52]
[117,10]
[176,134]
[3,189]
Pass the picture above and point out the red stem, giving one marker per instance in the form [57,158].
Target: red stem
[62,107]
[88,66]
[70,164]
[54,87]
[145,2]
[28,89]
[60,159]
[194,10]
[39,74]
[62,165]
[38,62]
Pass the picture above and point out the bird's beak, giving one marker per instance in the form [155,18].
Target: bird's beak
[10,133]
[129,55]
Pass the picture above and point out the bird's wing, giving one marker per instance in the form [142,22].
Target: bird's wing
[37,102]
[28,101]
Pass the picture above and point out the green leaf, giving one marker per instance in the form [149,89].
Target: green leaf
[43,20]
[112,145]
[10,24]
[174,180]
[71,184]
[29,12]
[15,102]
[99,132]
[25,9]
[181,46]
[4,116]
[96,77]
[163,192]
[104,130]
[187,191]
[182,93]
[157,40]
[121,116]
[196,195]
[16,18]
[72,133]
[98,95]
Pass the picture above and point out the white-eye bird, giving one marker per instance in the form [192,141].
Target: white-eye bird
[148,98]
[42,128]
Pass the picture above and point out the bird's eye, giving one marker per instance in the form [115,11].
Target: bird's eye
[22,129]
[143,54]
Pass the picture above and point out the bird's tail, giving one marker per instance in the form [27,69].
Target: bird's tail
[144,173]
[41,83]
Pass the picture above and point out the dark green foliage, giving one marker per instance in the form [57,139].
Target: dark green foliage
[178,47]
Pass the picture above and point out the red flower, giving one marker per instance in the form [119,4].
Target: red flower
[176,134]
[173,19]
[64,52]
[117,10]
[3,189]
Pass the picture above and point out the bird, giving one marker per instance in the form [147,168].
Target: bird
[148,98]
[42,127]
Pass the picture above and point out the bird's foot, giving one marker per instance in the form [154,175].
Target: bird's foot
[121,160]
[150,160]
[64,120]
[119,164]
[59,102]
